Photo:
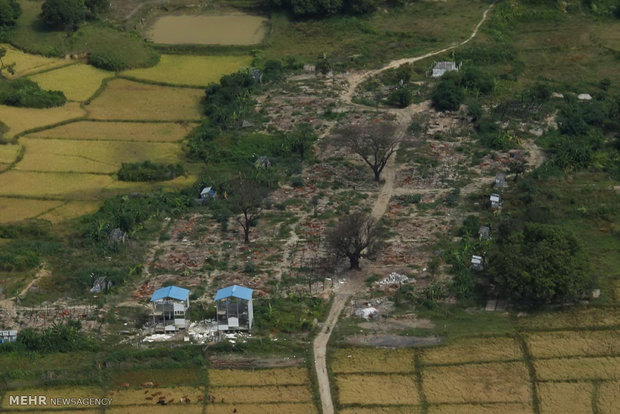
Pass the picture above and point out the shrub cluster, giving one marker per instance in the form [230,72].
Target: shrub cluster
[149,171]
[26,93]
[323,8]
[10,10]
[451,89]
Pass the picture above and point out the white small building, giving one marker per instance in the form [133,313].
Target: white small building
[207,192]
[500,180]
[476,263]
[170,307]
[234,308]
[8,336]
[440,68]
[496,201]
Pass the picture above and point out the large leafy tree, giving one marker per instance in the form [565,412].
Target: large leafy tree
[63,13]
[356,236]
[540,264]
[9,12]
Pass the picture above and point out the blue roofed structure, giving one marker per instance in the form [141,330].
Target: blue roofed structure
[234,291]
[170,306]
[170,292]
[234,308]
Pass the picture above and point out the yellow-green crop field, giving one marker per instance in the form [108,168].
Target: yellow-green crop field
[279,408]
[565,397]
[127,100]
[352,360]
[22,119]
[167,377]
[119,131]
[78,82]
[156,409]
[560,369]
[569,343]
[26,63]
[9,153]
[70,210]
[91,156]
[503,408]
[15,209]
[151,395]
[474,349]
[488,382]
[63,186]
[268,393]
[555,370]
[191,70]
[259,377]
[377,389]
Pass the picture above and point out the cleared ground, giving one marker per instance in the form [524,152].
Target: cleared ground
[191,70]
[127,100]
[78,82]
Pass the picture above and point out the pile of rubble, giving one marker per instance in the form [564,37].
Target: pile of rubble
[394,279]
[202,331]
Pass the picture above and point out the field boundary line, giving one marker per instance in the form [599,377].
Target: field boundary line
[528,361]
[160,83]
[595,395]
[464,363]
[418,366]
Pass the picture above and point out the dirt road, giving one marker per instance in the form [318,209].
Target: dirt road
[403,118]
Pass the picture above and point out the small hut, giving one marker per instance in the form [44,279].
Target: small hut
[440,68]
[484,232]
[8,336]
[496,201]
[170,307]
[207,193]
[234,308]
[476,263]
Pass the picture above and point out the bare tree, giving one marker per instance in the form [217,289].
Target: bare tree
[247,200]
[375,143]
[355,237]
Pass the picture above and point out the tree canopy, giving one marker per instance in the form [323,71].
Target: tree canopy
[60,13]
[540,264]
[10,11]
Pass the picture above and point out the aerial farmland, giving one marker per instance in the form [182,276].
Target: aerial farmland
[355,207]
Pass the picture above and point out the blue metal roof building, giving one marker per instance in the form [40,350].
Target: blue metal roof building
[234,291]
[170,305]
[234,308]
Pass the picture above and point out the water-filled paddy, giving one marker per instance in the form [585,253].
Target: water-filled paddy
[235,29]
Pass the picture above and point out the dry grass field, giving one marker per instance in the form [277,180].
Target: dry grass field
[472,350]
[119,131]
[127,100]
[569,343]
[79,82]
[26,63]
[489,382]
[16,209]
[565,397]
[53,185]
[368,389]
[22,119]
[191,70]
[237,377]
[91,156]
[352,360]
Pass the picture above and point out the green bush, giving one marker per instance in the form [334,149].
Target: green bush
[60,13]
[401,98]
[448,94]
[107,61]
[10,11]
[26,93]
[62,337]
[149,171]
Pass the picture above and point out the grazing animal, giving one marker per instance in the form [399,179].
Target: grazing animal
[161,402]
[148,398]
[126,385]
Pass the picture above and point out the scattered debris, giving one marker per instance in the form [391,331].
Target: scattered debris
[584,97]
[394,279]
[367,313]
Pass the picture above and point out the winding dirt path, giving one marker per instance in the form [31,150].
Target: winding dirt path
[403,118]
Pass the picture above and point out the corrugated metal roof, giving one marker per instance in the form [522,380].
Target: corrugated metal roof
[172,292]
[234,291]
